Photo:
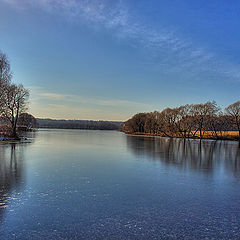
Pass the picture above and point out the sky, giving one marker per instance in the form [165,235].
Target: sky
[109,59]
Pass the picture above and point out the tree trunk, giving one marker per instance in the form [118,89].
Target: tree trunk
[14,130]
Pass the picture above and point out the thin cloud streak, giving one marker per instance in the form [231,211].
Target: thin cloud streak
[55,111]
[38,94]
[59,106]
[181,54]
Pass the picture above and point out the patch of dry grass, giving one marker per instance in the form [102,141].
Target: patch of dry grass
[223,133]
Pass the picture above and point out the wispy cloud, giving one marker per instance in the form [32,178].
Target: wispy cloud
[180,55]
[39,93]
[54,96]
[56,111]
[55,105]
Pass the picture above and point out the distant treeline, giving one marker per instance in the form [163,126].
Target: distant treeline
[204,120]
[79,124]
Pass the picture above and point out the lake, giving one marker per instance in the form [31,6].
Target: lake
[80,184]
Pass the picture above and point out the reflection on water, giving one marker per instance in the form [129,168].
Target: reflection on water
[192,154]
[73,184]
[11,173]
[29,135]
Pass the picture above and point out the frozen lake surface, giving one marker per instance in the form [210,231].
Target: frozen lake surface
[80,184]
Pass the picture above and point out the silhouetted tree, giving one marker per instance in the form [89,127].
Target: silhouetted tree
[201,114]
[14,103]
[136,123]
[13,98]
[234,111]
[184,120]
[152,123]
[27,120]
[5,77]
[167,122]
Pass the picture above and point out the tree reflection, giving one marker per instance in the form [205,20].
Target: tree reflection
[11,173]
[193,154]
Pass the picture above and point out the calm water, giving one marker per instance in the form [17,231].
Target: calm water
[73,184]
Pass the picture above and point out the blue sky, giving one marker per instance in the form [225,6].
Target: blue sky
[109,59]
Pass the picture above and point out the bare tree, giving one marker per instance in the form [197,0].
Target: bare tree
[234,111]
[5,70]
[167,122]
[185,121]
[201,114]
[28,121]
[136,123]
[217,124]
[5,76]
[188,120]
[151,123]
[14,103]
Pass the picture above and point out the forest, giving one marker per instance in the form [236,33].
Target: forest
[204,120]
[78,124]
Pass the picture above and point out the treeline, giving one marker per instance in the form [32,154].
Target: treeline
[205,120]
[13,99]
[79,124]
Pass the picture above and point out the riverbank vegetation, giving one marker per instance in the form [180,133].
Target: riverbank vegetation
[13,102]
[205,120]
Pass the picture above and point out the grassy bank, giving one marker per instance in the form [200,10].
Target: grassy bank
[225,135]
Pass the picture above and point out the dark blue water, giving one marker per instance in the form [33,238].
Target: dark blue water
[73,184]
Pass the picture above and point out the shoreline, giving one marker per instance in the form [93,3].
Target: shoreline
[207,137]
[10,141]
[17,140]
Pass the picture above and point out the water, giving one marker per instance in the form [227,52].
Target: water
[77,184]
